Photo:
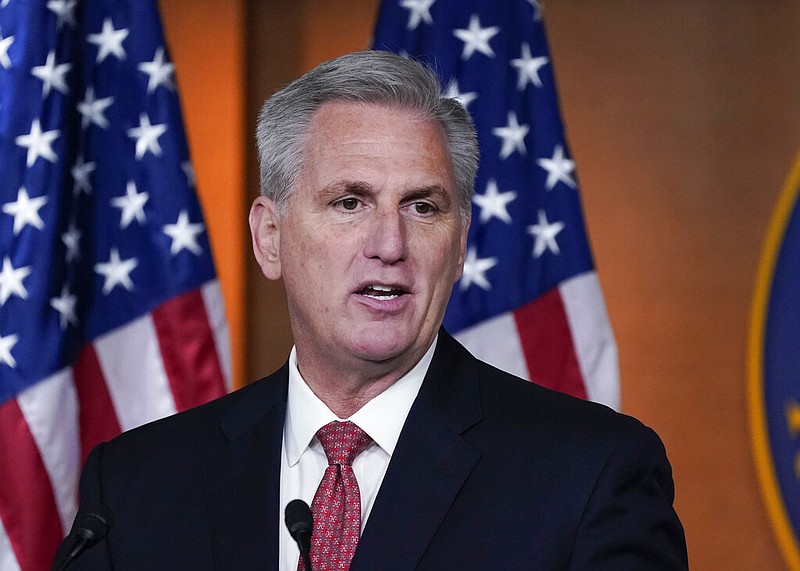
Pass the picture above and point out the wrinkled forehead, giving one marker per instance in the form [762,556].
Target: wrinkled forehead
[338,114]
[347,133]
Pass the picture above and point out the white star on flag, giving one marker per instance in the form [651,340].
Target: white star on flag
[38,143]
[131,205]
[475,270]
[453,92]
[146,136]
[109,41]
[419,10]
[476,38]
[545,234]
[6,345]
[528,68]
[5,43]
[72,240]
[116,271]
[92,109]
[159,72]
[52,75]
[184,235]
[11,281]
[494,203]
[559,168]
[513,135]
[65,11]
[65,306]
[80,174]
[25,210]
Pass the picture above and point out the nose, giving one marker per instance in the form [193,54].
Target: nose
[386,238]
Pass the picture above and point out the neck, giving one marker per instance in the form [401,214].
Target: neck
[344,390]
[346,401]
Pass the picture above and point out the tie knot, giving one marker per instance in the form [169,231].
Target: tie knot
[342,441]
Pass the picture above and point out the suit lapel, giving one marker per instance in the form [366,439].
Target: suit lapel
[243,478]
[428,467]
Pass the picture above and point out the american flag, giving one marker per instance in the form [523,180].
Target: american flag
[529,301]
[110,311]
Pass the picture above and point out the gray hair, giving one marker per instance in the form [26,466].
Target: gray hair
[364,77]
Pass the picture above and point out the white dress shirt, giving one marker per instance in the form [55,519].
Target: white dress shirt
[303,461]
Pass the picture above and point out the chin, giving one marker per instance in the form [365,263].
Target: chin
[382,345]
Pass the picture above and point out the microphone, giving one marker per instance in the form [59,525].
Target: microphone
[300,523]
[92,528]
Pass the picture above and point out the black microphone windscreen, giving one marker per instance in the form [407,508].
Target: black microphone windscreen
[95,523]
[298,517]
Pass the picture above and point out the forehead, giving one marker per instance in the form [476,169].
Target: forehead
[346,139]
[342,114]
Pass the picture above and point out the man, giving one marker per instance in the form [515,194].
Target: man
[366,175]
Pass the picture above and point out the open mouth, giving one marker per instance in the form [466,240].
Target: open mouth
[382,292]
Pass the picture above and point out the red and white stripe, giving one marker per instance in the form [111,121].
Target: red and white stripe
[175,358]
[561,340]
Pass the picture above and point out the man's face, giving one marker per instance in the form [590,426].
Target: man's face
[372,240]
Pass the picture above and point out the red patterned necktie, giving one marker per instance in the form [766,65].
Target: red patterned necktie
[337,503]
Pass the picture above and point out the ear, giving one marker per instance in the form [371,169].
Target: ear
[462,248]
[265,231]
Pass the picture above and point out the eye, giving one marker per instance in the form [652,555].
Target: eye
[349,203]
[423,207]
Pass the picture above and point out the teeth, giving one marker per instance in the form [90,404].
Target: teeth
[381,292]
[381,297]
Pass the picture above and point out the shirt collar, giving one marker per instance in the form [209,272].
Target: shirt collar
[382,417]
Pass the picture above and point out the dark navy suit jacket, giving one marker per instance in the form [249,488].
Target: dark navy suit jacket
[490,472]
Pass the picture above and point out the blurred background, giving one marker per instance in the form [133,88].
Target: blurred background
[684,120]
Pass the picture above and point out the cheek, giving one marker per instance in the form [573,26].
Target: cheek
[315,263]
[445,269]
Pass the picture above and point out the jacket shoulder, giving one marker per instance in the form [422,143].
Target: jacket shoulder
[509,396]
[204,424]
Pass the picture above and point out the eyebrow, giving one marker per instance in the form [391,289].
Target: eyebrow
[362,188]
[358,187]
[435,191]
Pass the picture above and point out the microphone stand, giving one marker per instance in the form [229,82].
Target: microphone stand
[300,523]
